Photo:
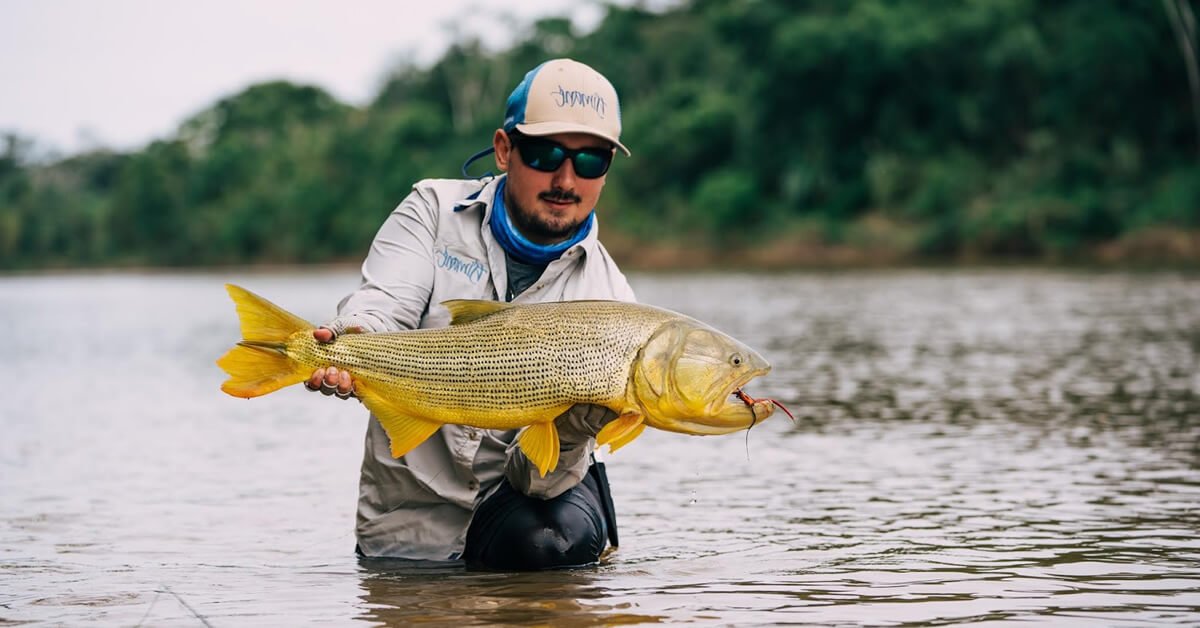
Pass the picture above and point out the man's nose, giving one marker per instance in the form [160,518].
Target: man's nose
[564,177]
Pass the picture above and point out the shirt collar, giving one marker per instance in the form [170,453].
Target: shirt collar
[483,196]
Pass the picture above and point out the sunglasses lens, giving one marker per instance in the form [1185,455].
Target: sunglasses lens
[591,164]
[542,155]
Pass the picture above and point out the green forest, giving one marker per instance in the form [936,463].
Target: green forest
[764,133]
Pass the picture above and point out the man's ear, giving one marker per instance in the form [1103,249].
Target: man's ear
[503,147]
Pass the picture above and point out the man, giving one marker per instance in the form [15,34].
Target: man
[527,236]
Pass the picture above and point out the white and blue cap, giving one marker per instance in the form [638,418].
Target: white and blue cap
[565,96]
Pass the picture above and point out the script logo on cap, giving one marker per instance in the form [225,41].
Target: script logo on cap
[575,98]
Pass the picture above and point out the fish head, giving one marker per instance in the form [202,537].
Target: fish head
[689,378]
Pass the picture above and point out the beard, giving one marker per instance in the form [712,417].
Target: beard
[538,228]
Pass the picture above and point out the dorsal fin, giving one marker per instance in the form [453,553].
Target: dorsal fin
[467,310]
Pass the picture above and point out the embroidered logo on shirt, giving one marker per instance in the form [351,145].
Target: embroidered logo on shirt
[473,269]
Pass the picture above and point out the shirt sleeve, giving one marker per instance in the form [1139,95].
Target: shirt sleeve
[577,428]
[398,273]
[523,474]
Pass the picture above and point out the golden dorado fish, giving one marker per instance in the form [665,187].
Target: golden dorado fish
[502,366]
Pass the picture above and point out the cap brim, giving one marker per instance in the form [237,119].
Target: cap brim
[539,129]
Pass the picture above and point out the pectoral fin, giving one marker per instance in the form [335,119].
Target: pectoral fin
[404,432]
[625,439]
[540,444]
[621,430]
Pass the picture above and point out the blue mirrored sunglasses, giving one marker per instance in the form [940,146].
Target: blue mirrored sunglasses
[546,155]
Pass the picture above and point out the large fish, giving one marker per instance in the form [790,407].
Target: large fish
[503,366]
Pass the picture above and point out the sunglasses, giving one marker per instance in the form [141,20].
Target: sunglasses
[548,156]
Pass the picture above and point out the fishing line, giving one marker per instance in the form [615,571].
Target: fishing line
[753,422]
[157,594]
[193,611]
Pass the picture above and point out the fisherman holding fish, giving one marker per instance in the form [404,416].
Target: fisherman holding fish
[506,346]
[528,235]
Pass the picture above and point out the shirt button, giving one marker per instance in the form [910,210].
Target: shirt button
[473,485]
[474,434]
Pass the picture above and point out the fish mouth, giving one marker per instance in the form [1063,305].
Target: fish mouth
[737,407]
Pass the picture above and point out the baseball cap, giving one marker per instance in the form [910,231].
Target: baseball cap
[565,96]
[562,96]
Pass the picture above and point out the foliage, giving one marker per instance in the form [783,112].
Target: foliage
[1035,129]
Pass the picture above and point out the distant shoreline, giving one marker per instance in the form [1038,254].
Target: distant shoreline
[1153,248]
[1173,251]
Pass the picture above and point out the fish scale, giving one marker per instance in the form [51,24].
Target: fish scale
[502,368]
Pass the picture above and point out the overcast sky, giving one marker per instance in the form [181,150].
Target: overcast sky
[76,74]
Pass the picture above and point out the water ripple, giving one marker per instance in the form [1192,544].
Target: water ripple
[971,447]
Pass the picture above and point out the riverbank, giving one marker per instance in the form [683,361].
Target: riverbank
[1147,249]
[1151,248]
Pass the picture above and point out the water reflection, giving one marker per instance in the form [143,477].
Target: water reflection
[402,593]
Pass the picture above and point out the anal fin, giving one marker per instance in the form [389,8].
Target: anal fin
[404,432]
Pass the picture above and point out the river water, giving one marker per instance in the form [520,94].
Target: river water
[979,446]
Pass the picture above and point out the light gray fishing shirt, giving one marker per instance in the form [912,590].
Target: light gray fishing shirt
[437,245]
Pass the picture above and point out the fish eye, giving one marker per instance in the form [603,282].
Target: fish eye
[736,359]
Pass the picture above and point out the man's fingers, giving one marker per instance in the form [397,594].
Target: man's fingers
[331,381]
[314,382]
[323,334]
[331,376]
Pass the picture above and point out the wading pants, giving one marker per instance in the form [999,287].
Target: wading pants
[514,532]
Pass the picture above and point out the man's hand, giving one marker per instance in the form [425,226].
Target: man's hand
[330,380]
[582,422]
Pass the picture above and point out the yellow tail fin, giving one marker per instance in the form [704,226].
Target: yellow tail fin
[259,364]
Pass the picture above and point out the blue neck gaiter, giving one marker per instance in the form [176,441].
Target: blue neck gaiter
[519,246]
